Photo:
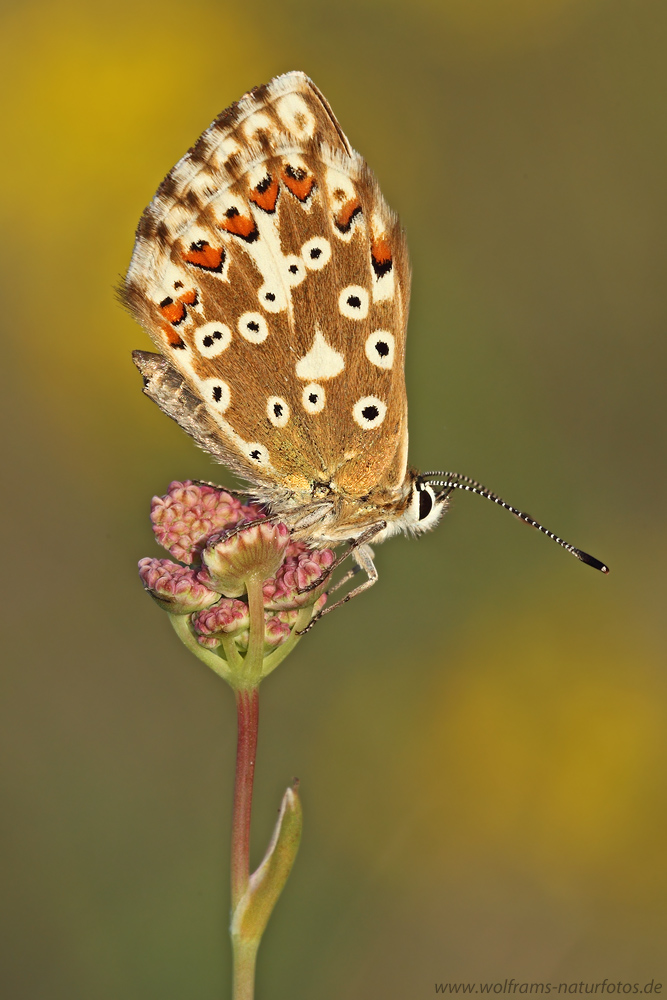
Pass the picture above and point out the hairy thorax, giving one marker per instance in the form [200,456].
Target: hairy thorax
[326,515]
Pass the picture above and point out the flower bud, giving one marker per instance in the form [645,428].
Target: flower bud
[190,512]
[302,567]
[230,559]
[228,617]
[175,588]
[276,632]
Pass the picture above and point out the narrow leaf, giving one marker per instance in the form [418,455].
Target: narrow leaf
[256,905]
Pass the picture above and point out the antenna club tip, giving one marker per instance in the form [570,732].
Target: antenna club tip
[592,561]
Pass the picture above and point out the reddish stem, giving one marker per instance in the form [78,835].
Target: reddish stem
[247,710]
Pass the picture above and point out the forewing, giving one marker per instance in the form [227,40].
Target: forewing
[274,278]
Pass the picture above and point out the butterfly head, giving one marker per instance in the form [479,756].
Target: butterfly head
[425,507]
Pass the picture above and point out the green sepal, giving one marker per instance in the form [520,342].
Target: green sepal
[268,881]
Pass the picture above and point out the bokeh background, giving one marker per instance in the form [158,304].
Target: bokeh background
[481,739]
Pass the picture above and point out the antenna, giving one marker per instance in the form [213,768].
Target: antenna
[456,481]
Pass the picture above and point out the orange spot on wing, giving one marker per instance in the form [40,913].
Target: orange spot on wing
[239,225]
[172,337]
[344,216]
[176,311]
[172,311]
[381,256]
[203,255]
[265,195]
[298,182]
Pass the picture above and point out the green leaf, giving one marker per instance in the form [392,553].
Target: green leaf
[256,905]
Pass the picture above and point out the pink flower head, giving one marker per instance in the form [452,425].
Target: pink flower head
[190,512]
[175,588]
[232,548]
[230,559]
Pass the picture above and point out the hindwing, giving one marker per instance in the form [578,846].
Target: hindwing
[274,279]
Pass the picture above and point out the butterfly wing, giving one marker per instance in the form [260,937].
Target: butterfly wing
[274,280]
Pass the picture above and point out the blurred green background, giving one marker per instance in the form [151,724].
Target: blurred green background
[481,739]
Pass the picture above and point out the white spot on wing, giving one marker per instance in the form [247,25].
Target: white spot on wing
[316,253]
[216,393]
[175,281]
[321,361]
[383,287]
[353,302]
[340,187]
[258,454]
[253,327]
[223,202]
[380,349]
[277,410]
[222,150]
[369,412]
[202,185]
[257,172]
[296,115]
[272,297]
[296,163]
[295,272]
[212,339]
[257,122]
[313,398]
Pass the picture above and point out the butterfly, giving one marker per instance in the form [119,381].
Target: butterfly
[274,279]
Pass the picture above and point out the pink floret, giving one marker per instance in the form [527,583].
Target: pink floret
[176,587]
[227,617]
[302,567]
[189,512]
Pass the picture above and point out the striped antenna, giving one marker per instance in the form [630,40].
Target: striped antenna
[455,481]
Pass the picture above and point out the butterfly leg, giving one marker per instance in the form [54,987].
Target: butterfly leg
[363,556]
[267,519]
[327,573]
[362,553]
[366,536]
[345,579]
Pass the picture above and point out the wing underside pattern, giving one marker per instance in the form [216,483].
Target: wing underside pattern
[274,279]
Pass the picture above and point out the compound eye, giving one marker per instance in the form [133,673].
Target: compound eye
[425,502]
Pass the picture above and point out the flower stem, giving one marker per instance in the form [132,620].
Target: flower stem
[183,630]
[245,955]
[247,708]
[255,655]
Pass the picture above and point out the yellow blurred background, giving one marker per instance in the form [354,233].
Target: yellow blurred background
[481,739]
